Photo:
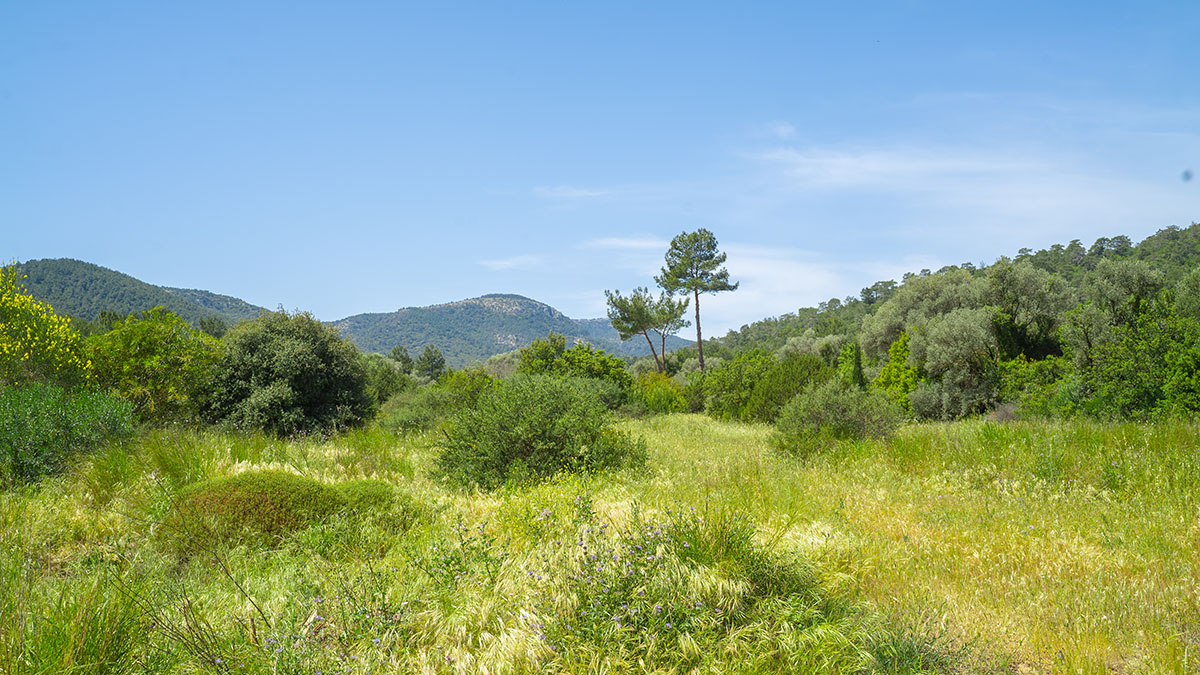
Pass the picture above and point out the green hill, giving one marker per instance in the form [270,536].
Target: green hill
[474,329]
[83,290]
[465,331]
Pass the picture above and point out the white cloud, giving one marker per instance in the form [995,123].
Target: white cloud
[567,192]
[517,262]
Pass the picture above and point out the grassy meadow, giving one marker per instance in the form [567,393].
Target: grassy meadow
[966,547]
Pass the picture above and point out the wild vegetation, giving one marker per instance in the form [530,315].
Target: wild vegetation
[978,470]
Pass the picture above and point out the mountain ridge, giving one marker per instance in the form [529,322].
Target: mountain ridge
[466,331]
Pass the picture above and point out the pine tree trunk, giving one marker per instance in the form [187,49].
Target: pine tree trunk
[646,334]
[699,342]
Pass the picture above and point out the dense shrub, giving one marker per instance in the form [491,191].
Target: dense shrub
[727,389]
[1041,388]
[158,362]
[782,382]
[367,495]
[381,502]
[897,378]
[660,394]
[289,374]
[36,345]
[532,426]
[253,505]
[425,407]
[385,377]
[42,425]
[829,412]
[693,389]
[415,409]
[551,357]
[1151,366]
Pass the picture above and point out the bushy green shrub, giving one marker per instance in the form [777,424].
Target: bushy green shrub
[693,389]
[727,389]
[425,407]
[897,378]
[385,377]
[782,382]
[42,425]
[367,495]
[289,374]
[157,361]
[660,393]
[551,357]
[1043,387]
[611,395]
[415,409]
[532,426]
[254,505]
[829,413]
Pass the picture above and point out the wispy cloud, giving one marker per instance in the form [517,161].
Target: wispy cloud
[628,243]
[896,169]
[517,262]
[776,129]
[568,192]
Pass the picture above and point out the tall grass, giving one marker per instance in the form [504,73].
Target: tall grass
[950,548]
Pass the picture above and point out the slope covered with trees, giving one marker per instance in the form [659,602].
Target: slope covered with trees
[84,290]
[1109,329]
[472,330]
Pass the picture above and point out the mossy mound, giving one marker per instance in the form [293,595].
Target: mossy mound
[255,504]
[367,495]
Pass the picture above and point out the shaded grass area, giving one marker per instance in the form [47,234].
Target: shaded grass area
[951,548]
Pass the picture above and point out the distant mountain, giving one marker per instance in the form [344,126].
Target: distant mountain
[83,290]
[465,331]
[472,330]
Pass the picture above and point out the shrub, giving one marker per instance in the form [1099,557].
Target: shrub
[252,505]
[385,377]
[609,393]
[42,425]
[551,357]
[661,394]
[897,378]
[425,407]
[415,409]
[782,382]
[289,374]
[830,413]
[693,389]
[367,495]
[727,389]
[158,362]
[36,345]
[532,426]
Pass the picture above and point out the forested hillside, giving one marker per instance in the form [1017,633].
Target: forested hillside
[472,330]
[83,290]
[466,331]
[1110,328]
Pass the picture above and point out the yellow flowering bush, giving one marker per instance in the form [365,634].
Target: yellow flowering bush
[36,345]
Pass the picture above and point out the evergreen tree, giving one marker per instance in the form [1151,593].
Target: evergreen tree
[694,266]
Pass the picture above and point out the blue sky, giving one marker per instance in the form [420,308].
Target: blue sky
[361,157]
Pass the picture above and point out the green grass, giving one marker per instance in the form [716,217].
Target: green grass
[1043,547]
